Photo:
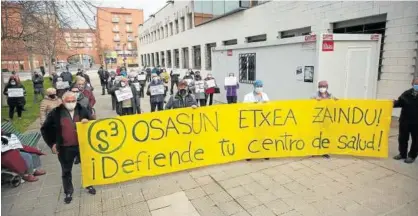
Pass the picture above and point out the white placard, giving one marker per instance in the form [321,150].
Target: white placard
[62,85]
[142,77]
[15,92]
[176,72]
[136,84]
[124,94]
[199,86]
[230,81]
[13,143]
[211,83]
[189,81]
[156,90]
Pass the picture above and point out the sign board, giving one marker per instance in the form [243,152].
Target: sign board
[327,37]
[210,83]
[123,94]
[62,85]
[199,86]
[189,81]
[137,86]
[229,52]
[230,81]
[374,37]
[157,90]
[15,92]
[142,77]
[327,46]
[310,38]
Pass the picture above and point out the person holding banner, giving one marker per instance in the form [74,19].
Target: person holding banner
[50,101]
[125,93]
[197,87]
[182,99]
[231,86]
[408,123]
[210,85]
[134,81]
[156,92]
[257,95]
[60,134]
[15,93]
[142,81]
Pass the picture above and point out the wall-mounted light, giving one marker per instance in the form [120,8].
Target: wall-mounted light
[170,2]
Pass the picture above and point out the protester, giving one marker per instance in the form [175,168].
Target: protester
[15,101]
[16,75]
[148,70]
[209,90]
[174,81]
[24,161]
[42,68]
[67,77]
[323,94]
[110,84]
[60,134]
[104,77]
[50,101]
[183,98]
[118,70]
[79,72]
[128,106]
[231,92]
[134,82]
[81,85]
[408,123]
[123,72]
[60,89]
[54,78]
[191,73]
[165,77]
[155,93]
[199,95]
[257,95]
[155,71]
[142,83]
[38,86]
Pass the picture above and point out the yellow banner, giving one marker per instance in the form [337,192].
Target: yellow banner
[124,148]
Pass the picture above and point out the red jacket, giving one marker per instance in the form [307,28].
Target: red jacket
[90,96]
[12,160]
[118,71]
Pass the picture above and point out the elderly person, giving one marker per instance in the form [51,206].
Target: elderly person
[15,93]
[85,90]
[104,77]
[209,90]
[183,98]
[50,101]
[408,123]
[156,92]
[130,105]
[142,82]
[110,84]
[231,91]
[60,134]
[38,86]
[133,80]
[199,94]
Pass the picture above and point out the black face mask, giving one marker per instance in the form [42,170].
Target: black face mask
[112,78]
[182,92]
[53,96]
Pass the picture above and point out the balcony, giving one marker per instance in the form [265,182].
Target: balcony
[129,30]
[128,20]
[116,39]
[115,19]
[115,30]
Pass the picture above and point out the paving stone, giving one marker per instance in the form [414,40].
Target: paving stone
[212,188]
[244,213]
[220,197]
[71,212]
[203,203]
[137,209]
[254,188]
[248,201]
[211,211]
[279,207]
[204,180]
[195,193]
[111,204]
[115,212]
[47,191]
[90,208]
[265,196]
[230,207]
[261,210]
[237,192]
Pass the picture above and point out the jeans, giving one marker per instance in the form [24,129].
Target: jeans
[173,82]
[210,98]
[32,161]
[405,130]
[159,106]
[103,89]
[66,157]
[12,108]
[114,101]
[231,99]
[127,111]
[141,92]
[201,102]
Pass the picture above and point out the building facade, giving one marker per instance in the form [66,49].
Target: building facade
[183,34]
[117,30]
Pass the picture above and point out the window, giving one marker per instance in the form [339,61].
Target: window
[158,59]
[169,58]
[152,60]
[197,57]
[183,24]
[162,32]
[162,59]
[257,38]
[209,47]
[177,26]
[247,68]
[171,28]
[176,58]
[230,42]
[166,31]
[367,25]
[158,34]
[295,32]
[185,59]
[205,11]
[190,19]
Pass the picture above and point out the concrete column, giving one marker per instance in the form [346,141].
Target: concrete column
[181,57]
[191,57]
[172,59]
[161,58]
[166,58]
[203,56]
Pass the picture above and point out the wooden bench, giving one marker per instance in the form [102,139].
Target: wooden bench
[29,139]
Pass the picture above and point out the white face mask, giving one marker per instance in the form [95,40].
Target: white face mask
[70,106]
[132,79]
[12,83]
[258,90]
[123,84]
[155,78]
[322,90]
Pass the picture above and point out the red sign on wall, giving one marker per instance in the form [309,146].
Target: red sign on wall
[327,46]
[229,53]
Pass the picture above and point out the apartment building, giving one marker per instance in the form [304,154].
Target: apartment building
[117,30]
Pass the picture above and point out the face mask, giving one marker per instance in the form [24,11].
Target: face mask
[123,84]
[12,83]
[322,90]
[416,87]
[183,92]
[112,78]
[155,79]
[52,96]
[258,90]
[187,74]
[70,106]
[132,79]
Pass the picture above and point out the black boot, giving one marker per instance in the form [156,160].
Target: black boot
[91,190]
[68,198]
[77,160]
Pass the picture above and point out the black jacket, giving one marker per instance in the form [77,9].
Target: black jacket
[408,101]
[15,101]
[134,100]
[38,82]
[104,76]
[51,129]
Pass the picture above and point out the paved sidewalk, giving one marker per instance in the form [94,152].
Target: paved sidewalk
[343,186]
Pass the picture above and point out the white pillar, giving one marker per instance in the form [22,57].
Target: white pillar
[161,58]
[181,57]
[166,58]
[173,59]
[191,57]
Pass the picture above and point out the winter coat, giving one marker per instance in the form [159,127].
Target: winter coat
[13,161]
[67,77]
[177,101]
[47,105]
[408,101]
[134,102]
[138,99]
[15,101]
[90,96]
[104,76]
[207,89]
[192,89]
[155,98]
[38,82]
